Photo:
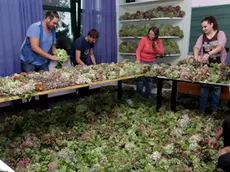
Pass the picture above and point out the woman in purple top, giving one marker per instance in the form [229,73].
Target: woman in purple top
[210,48]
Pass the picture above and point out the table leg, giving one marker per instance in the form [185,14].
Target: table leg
[174,95]
[159,92]
[119,90]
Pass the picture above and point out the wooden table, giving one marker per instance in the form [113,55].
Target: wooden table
[119,93]
[174,90]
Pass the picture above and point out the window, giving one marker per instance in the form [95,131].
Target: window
[69,25]
[79,18]
[63,32]
[57,3]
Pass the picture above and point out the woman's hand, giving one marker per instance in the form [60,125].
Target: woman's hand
[155,43]
[137,61]
[197,58]
[205,58]
[222,65]
[212,143]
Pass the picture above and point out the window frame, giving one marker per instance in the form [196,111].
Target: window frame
[75,29]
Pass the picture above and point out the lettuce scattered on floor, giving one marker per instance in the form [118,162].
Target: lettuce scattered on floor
[99,133]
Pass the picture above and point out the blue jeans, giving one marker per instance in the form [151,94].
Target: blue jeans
[148,81]
[27,67]
[215,96]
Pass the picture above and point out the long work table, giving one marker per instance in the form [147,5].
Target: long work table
[160,80]
[11,98]
[174,90]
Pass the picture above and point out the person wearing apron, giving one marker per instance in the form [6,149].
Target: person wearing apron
[211,46]
[39,47]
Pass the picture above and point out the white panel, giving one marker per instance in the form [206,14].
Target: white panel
[4,167]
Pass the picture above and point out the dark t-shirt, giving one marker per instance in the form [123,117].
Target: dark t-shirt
[82,45]
[209,45]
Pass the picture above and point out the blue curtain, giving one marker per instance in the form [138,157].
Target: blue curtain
[15,17]
[101,15]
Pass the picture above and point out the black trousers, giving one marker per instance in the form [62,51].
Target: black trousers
[224,160]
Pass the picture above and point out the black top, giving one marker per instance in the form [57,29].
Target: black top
[84,46]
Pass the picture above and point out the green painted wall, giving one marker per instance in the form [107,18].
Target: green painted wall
[222,14]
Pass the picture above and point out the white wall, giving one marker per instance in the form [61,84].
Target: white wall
[184,24]
[198,3]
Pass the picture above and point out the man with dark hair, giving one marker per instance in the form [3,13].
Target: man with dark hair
[39,45]
[83,48]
